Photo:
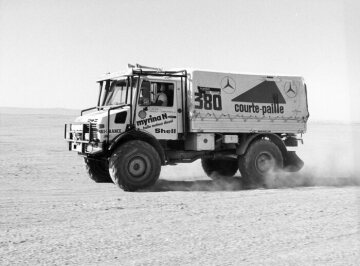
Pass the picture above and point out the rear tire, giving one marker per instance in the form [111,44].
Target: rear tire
[98,170]
[217,168]
[262,158]
[134,165]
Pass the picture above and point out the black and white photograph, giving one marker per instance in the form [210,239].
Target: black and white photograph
[179,132]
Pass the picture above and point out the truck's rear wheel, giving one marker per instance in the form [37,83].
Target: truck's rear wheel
[134,165]
[219,168]
[98,170]
[261,159]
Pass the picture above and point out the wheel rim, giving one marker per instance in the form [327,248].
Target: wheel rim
[264,162]
[137,166]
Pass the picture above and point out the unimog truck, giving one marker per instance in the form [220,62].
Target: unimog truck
[230,121]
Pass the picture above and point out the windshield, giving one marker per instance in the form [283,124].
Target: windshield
[117,92]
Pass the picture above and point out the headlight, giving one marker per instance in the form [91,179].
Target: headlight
[89,148]
[93,147]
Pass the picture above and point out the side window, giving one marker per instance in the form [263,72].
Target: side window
[145,99]
[156,94]
[163,94]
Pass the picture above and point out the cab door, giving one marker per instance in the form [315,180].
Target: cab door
[156,110]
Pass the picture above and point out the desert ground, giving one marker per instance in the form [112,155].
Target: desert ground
[51,213]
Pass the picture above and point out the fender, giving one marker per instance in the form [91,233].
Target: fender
[273,137]
[136,134]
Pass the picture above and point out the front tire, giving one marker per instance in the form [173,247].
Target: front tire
[219,168]
[98,170]
[261,159]
[134,165]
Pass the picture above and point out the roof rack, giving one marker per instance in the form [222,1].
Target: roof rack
[140,70]
[155,71]
[146,67]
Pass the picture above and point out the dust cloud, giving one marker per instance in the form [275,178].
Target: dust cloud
[308,178]
[230,184]
[328,154]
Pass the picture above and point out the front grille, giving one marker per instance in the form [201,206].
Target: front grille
[94,130]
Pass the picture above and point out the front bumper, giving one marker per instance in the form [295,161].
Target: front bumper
[82,138]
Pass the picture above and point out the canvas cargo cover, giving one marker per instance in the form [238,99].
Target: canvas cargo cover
[225,102]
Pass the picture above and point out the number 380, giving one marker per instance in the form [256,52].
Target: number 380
[208,101]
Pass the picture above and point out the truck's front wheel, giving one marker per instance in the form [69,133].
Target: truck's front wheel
[134,165]
[261,159]
[98,170]
[219,168]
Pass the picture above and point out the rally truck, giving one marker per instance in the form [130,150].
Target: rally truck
[252,123]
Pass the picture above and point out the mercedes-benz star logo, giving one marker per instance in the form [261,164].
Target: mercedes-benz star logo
[290,90]
[228,85]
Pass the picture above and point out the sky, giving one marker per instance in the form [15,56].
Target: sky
[52,52]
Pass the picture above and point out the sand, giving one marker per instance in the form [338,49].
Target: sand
[52,213]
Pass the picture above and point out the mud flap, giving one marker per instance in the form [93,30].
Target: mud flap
[292,162]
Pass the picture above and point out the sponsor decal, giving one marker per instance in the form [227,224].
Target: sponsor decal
[165,131]
[157,121]
[261,93]
[290,89]
[102,131]
[208,98]
[142,114]
[151,119]
[264,98]
[273,108]
[209,90]
[228,85]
